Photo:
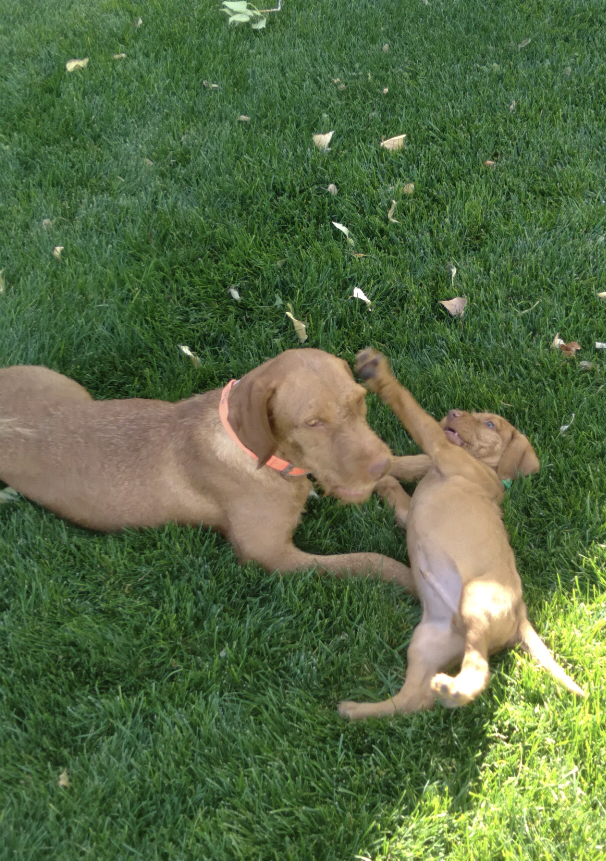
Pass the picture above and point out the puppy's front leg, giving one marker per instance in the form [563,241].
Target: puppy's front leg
[396,497]
[373,368]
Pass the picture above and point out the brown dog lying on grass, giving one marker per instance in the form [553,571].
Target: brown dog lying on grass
[462,562]
[235,459]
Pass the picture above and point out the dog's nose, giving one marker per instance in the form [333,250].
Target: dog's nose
[454,414]
[379,468]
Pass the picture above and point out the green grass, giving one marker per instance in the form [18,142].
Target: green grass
[192,701]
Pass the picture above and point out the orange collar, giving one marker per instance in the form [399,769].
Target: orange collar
[283,466]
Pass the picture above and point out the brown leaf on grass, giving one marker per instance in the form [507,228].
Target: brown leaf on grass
[392,209]
[385,90]
[322,141]
[512,106]
[233,293]
[118,56]
[345,231]
[570,349]
[523,43]
[394,143]
[137,23]
[557,342]
[57,251]
[210,86]
[332,189]
[336,80]
[601,295]
[72,65]
[489,163]
[299,327]
[63,780]
[409,188]
[47,223]
[243,118]
[455,307]
[386,47]
[357,255]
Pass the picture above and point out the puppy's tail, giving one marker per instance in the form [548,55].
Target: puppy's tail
[532,643]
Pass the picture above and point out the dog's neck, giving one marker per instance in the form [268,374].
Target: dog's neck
[279,464]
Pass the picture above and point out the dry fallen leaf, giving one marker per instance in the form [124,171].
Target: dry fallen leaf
[7,494]
[2,282]
[524,42]
[394,143]
[72,65]
[46,223]
[601,295]
[385,90]
[455,307]
[63,779]
[512,106]
[386,47]
[600,345]
[191,356]
[299,327]
[233,293]
[243,118]
[137,23]
[332,189]
[210,86]
[570,348]
[148,162]
[452,270]
[586,366]
[341,87]
[359,294]
[557,342]
[392,209]
[357,256]
[344,230]
[564,428]
[409,188]
[336,80]
[118,56]
[489,163]
[57,251]
[322,141]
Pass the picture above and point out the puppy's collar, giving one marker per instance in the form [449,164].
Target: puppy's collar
[277,463]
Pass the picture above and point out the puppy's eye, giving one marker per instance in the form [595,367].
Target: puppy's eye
[489,424]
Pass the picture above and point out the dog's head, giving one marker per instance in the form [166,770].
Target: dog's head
[492,440]
[306,407]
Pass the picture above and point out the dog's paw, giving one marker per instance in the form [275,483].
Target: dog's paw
[373,368]
[445,689]
[350,709]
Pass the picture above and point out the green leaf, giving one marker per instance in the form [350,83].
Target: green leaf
[241,17]
[258,25]
[235,5]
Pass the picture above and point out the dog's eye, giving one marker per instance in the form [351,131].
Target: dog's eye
[489,424]
[314,423]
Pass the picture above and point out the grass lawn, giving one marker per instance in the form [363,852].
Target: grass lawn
[191,702]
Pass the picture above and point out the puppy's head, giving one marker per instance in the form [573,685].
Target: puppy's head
[494,441]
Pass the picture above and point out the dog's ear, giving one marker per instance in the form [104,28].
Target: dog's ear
[249,409]
[519,458]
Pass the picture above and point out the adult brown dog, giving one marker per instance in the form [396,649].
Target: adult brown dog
[112,464]
[462,562]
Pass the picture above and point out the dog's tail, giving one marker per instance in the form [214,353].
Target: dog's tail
[532,643]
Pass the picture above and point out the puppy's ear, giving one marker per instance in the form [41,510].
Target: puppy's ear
[518,458]
[249,408]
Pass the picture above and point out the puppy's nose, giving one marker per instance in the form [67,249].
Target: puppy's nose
[379,468]
[454,414]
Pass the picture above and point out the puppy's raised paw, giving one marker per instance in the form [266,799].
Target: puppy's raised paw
[373,368]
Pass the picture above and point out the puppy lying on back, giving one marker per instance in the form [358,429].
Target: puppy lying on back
[463,565]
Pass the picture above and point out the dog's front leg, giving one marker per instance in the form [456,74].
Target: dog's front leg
[396,497]
[374,369]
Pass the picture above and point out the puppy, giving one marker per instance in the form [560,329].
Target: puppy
[462,562]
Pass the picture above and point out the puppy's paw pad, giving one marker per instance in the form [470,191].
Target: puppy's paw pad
[371,364]
[445,689]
